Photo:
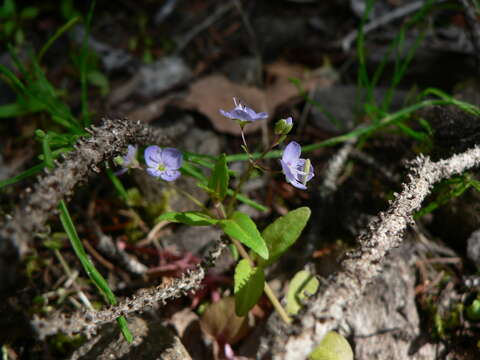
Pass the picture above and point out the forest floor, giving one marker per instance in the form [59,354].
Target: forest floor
[370,86]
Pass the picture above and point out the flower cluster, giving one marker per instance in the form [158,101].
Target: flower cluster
[163,163]
[297,171]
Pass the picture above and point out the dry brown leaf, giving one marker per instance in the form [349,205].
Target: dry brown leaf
[211,93]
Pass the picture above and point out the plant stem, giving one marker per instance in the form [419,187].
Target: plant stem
[267,289]
[246,174]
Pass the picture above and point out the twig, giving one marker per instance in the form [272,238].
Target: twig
[361,266]
[106,142]
[87,322]
[474,27]
[108,247]
[221,10]
[347,41]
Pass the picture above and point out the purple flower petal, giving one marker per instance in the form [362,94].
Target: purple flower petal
[292,152]
[289,120]
[163,163]
[170,175]
[131,155]
[153,156]
[121,171]
[262,115]
[226,113]
[298,185]
[154,172]
[243,113]
[172,158]
[294,167]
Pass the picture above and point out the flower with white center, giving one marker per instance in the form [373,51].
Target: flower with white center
[164,163]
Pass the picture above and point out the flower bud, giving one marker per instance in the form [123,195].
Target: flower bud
[283,126]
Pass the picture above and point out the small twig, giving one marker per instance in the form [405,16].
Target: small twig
[253,42]
[474,27]
[108,247]
[87,322]
[400,12]
[220,11]
[153,234]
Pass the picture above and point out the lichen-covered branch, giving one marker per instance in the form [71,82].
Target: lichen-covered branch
[90,153]
[362,265]
[87,322]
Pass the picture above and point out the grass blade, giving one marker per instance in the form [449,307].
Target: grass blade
[27,173]
[55,36]
[117,184]
[89,268]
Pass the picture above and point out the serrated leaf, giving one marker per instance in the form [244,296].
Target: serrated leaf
[302,285]
[193,218]
[242,228]
[283,232]
[218,182]
[249,284]
[333,347]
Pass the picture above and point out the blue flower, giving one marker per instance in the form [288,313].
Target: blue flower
[243,113]
[163,163]
[297,171]
[129,161]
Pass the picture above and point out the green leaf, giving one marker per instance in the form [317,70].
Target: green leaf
[249,284]
[243,229]
[333,347]
[283,232]
[473,311]
[193,218]
[29,12]
[8,9]
[302,284]
[218,182]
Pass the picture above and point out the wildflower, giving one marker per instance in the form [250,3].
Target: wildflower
[283,126]
[243,114]
[297,171]
[129,161]
[163,163]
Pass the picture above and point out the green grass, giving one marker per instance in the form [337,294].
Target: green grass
[89,268]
